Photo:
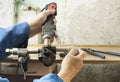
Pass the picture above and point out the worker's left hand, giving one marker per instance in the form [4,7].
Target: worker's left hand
[71,64]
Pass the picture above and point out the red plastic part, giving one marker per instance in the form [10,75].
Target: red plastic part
[51,6]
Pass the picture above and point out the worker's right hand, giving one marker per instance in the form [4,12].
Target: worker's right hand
[36,23]
[71,64]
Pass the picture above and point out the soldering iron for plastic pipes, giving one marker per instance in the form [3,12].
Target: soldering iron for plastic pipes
[47,54]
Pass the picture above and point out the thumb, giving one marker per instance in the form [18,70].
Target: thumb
[48,12]
[73,52]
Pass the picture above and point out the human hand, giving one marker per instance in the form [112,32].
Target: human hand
[36,23]
[71,64]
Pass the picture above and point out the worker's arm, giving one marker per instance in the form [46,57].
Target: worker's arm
[71,65]
[16,36]
[3,80]
[49,78]
[13,36]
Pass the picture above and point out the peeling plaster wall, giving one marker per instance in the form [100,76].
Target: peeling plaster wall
[93,22]
[98,73]
[6,13]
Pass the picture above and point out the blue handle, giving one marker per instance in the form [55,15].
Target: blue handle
[97,54]
[113,53]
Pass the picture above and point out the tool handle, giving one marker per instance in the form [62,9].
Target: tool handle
[107,52]
[52,5]
[48,28]
[49,20]
[112,53]
[97,54]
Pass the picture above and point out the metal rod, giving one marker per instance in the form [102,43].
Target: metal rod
[47,42]
[16,51]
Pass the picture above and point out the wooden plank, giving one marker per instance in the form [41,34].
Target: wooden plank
[34,68]
[90,59]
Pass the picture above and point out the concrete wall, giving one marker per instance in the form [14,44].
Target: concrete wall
[94,21]
[79,22]
[6,13]
[98,73]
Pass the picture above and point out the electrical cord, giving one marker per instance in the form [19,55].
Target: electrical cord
[20,65]
[17,70]
[24,73]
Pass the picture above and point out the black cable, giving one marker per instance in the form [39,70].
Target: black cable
[22,69]
[17,71]
[42,9]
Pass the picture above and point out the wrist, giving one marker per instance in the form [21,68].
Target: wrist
[64,77]
[34,29]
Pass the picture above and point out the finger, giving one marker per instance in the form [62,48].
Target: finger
[82,54]
[48,12]
[55,21]
[73,52]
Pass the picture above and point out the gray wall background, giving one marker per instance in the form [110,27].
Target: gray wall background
[78,22]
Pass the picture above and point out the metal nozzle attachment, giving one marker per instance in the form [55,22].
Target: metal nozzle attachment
[12,51]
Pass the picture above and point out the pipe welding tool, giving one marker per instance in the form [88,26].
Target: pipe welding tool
[47,54]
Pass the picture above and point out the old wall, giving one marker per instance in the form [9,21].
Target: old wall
[94,21]
[79,22]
